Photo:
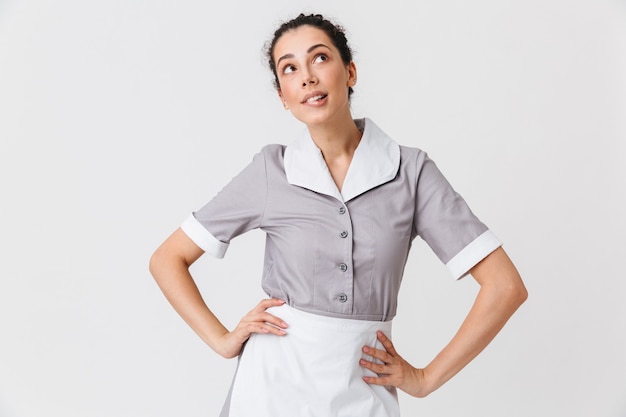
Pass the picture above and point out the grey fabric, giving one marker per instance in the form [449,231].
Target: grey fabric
[342,259]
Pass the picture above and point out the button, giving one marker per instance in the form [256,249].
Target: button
[343,267]
[342,210]
[342,298]
[343,234]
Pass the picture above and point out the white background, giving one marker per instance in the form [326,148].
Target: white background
[118,118]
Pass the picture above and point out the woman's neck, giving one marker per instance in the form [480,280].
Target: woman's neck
[337,141]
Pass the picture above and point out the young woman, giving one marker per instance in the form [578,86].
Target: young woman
[340,207]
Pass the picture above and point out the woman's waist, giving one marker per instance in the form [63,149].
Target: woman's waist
[297,317]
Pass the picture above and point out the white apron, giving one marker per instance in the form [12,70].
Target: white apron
[313,371]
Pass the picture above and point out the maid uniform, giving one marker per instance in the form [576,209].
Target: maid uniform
[337,259]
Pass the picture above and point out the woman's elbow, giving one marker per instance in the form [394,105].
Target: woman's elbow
[154,262]
[521,294]
[516,292]
[161,260]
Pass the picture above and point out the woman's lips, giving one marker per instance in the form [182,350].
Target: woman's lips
[314,97]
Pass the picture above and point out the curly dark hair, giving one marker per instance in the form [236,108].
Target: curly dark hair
[335,33]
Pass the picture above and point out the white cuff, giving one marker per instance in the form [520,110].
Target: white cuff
[473,253]
[203,238]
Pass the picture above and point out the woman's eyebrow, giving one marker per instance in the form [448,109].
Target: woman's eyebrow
[286,56]
[316,46]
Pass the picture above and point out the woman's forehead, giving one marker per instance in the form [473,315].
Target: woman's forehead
[300,39]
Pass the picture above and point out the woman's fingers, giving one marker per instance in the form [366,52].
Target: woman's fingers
[376,367]
[387,343]
[267,303]
[258,320]
[393,370]
[386,356]
[259,313]
[258,327]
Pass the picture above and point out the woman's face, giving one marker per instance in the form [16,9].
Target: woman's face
[313,80]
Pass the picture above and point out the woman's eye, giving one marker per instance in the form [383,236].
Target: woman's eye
[320,58]
[288,69]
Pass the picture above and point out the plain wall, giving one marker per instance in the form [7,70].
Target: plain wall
[118,118]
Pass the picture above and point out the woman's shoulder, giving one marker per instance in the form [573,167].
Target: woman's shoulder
[273,149]
[411,150]
[270,155]
[273,153]
[412,156]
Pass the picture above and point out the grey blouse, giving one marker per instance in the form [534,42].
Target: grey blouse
[342,254]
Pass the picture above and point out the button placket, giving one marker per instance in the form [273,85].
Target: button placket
[345,285]
[343,267]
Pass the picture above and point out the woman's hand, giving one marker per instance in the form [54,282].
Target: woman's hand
[394,370]
[258,320]
[170,267]
[501,293]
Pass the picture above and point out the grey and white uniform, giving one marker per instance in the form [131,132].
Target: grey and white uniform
[341,254]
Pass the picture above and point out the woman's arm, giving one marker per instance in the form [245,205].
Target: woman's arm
[501,293]
[170,267]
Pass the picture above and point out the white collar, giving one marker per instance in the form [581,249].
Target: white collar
[375,161]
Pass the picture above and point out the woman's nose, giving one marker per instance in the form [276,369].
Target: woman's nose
[309,79]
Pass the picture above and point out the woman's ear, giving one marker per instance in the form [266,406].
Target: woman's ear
[282,99]
[351,74]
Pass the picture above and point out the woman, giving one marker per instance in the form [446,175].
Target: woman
[340,207]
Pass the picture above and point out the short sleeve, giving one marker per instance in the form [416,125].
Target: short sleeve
[236,209]
[446,223]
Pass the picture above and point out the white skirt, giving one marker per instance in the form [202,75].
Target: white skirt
[313,371]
